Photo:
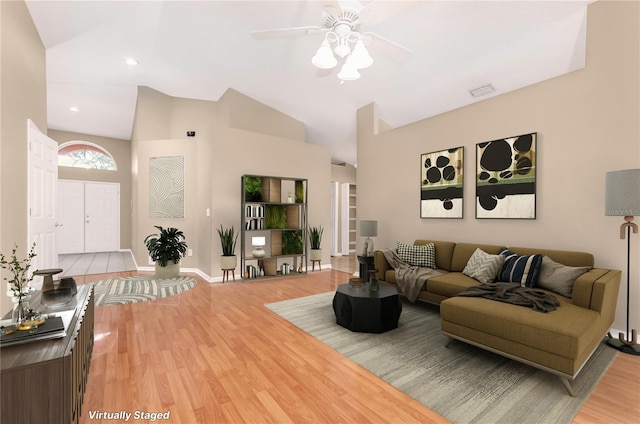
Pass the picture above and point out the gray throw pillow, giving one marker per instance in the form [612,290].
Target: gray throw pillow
[483,267]
[557,277]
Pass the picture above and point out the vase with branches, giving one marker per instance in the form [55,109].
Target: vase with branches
[19,279]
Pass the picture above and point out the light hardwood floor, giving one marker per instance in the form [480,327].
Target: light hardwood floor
[215,354]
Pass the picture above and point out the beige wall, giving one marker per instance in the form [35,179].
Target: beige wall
[121,152]
[587,124]
[23,96]
[215,160]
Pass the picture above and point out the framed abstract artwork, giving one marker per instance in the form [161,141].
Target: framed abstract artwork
[166,187]
[441,183]
[506,178]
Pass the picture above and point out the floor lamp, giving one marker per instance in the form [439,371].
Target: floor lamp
[623,199]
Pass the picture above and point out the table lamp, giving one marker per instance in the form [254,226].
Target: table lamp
[622,198]
[368,229]
[258,243]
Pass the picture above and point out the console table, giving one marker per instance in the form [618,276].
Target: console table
[44,381]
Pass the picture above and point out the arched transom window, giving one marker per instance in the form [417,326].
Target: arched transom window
[82,154]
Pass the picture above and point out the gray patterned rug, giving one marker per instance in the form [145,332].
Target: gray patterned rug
[462,383]
[119,291]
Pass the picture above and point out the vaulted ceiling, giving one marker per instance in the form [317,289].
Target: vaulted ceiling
[198,49]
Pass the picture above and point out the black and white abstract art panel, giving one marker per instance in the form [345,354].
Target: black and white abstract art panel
[506,178]
[441,183]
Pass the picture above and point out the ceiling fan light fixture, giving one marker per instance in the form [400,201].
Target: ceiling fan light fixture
[348,72]
[324,58]
[342,49]
[360,57]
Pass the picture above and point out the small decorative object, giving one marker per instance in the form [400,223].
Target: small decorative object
[20,278]
[258,243]
[374,284]
[166,249]
[506,178]
[289,198]
[356,283]
[622,198]
[368,229]
[441,183]
[285,269]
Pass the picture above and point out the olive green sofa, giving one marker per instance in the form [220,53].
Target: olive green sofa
[560,341]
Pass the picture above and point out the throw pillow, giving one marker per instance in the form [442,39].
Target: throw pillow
[559,278]
[424,255]
[483,266]
[520,269]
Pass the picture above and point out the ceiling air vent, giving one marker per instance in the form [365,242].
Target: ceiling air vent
[482,91]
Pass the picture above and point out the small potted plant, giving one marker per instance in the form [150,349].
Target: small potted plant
[167,249]
[315,239]
[228,238]
[19,281]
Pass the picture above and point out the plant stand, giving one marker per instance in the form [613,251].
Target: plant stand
[225,274]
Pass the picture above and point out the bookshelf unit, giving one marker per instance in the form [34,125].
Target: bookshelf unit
[274,208]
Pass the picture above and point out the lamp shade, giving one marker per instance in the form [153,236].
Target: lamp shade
[257,241]
[369,228]
[622,196]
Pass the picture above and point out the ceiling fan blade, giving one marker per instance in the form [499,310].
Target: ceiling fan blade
[331,7]
[287,32]
[378,11]
[393,51]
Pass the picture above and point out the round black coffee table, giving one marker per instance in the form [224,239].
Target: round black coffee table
[359,310]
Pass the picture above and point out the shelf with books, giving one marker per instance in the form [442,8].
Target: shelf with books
[274,212]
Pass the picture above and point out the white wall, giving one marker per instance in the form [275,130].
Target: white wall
[587,124]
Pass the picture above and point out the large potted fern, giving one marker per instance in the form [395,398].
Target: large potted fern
[166,249]
[228,238]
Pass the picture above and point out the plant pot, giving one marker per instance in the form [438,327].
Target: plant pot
[228,262]
[172,270]
[315,254]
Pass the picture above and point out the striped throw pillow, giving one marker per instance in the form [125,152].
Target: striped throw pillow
[520,269]
[423,255]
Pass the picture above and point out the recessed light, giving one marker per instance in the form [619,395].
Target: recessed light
[74,109]
[131,61]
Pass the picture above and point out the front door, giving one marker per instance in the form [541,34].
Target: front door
[101,212]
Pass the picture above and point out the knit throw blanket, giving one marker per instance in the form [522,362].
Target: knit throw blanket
[514,294]
[410,279]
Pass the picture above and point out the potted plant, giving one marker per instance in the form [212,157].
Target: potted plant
[166,249]
[228,238]
[19,280]
[315,239]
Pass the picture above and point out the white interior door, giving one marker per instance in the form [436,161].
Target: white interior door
[344,218]
[70,217]
[42,188]
[101,213]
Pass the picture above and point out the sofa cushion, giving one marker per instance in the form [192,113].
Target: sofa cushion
[567,331]
[444,252]
[483,266]
[422,255]
[450,284]
[462,252]
[557,277]
[520,269]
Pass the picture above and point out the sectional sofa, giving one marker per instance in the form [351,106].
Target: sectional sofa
[560,341]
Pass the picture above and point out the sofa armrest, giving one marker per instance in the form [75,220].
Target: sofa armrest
[598,290]
[381,264]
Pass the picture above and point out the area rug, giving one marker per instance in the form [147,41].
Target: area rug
[119,291]
[462,383]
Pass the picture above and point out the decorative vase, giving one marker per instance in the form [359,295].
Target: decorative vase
[374,285]
[19,312]
[315,254]
[171,270]
[228,262]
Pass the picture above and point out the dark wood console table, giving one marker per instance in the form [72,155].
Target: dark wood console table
[44,381]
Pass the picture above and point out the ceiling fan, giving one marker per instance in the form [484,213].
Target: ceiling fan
[343,38]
